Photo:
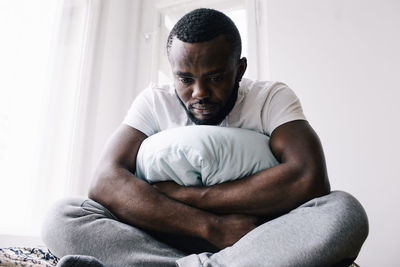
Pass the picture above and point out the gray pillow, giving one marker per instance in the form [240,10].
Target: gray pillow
[203,155]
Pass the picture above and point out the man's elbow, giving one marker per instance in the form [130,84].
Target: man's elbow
[95,191]
[317,184]
[99,186]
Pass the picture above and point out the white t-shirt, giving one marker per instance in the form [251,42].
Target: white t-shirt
[260,106]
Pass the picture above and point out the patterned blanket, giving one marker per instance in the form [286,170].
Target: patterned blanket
[27,257]
[36,257]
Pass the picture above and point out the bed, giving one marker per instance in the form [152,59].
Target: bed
[35,257]
[27,257]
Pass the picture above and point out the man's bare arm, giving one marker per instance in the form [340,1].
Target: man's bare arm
[139,204]
[300,176]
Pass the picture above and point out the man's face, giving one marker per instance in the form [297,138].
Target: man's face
[206,78]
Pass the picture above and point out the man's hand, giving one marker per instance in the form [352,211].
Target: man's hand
[188,195]
[230,228]
[226,230]
[171,190]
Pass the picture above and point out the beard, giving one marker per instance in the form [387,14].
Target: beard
[220,116]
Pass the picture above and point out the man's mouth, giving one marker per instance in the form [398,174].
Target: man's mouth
[203,109]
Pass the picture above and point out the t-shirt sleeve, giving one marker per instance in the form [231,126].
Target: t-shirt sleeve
[141,113]
[282,106]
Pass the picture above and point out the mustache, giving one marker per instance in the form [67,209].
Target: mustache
[200,102]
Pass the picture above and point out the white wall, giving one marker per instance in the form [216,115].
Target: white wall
[342,57]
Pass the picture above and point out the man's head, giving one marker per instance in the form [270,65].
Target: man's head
[204,50]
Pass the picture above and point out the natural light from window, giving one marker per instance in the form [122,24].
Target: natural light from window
[26,30]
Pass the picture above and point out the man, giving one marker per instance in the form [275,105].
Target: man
[281,216]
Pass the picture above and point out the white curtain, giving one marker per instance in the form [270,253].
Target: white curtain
[46,62]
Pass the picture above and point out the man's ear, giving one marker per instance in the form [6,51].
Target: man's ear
[242,67]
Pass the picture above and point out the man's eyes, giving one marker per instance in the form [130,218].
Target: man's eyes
[216,78]
[185,80]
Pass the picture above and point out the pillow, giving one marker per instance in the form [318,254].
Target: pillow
[203,155]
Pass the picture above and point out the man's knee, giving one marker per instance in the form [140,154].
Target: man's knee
[351,216]
[60,224]
[341,225]
[352,209]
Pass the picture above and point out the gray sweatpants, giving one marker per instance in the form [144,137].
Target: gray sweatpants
[322,232]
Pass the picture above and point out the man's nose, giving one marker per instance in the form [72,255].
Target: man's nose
[201,90]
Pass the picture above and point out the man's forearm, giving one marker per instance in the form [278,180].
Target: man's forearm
[139,204]
[267,193]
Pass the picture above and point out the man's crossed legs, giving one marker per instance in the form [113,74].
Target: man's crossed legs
[325,231]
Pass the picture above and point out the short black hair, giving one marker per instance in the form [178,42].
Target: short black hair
[204,24]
